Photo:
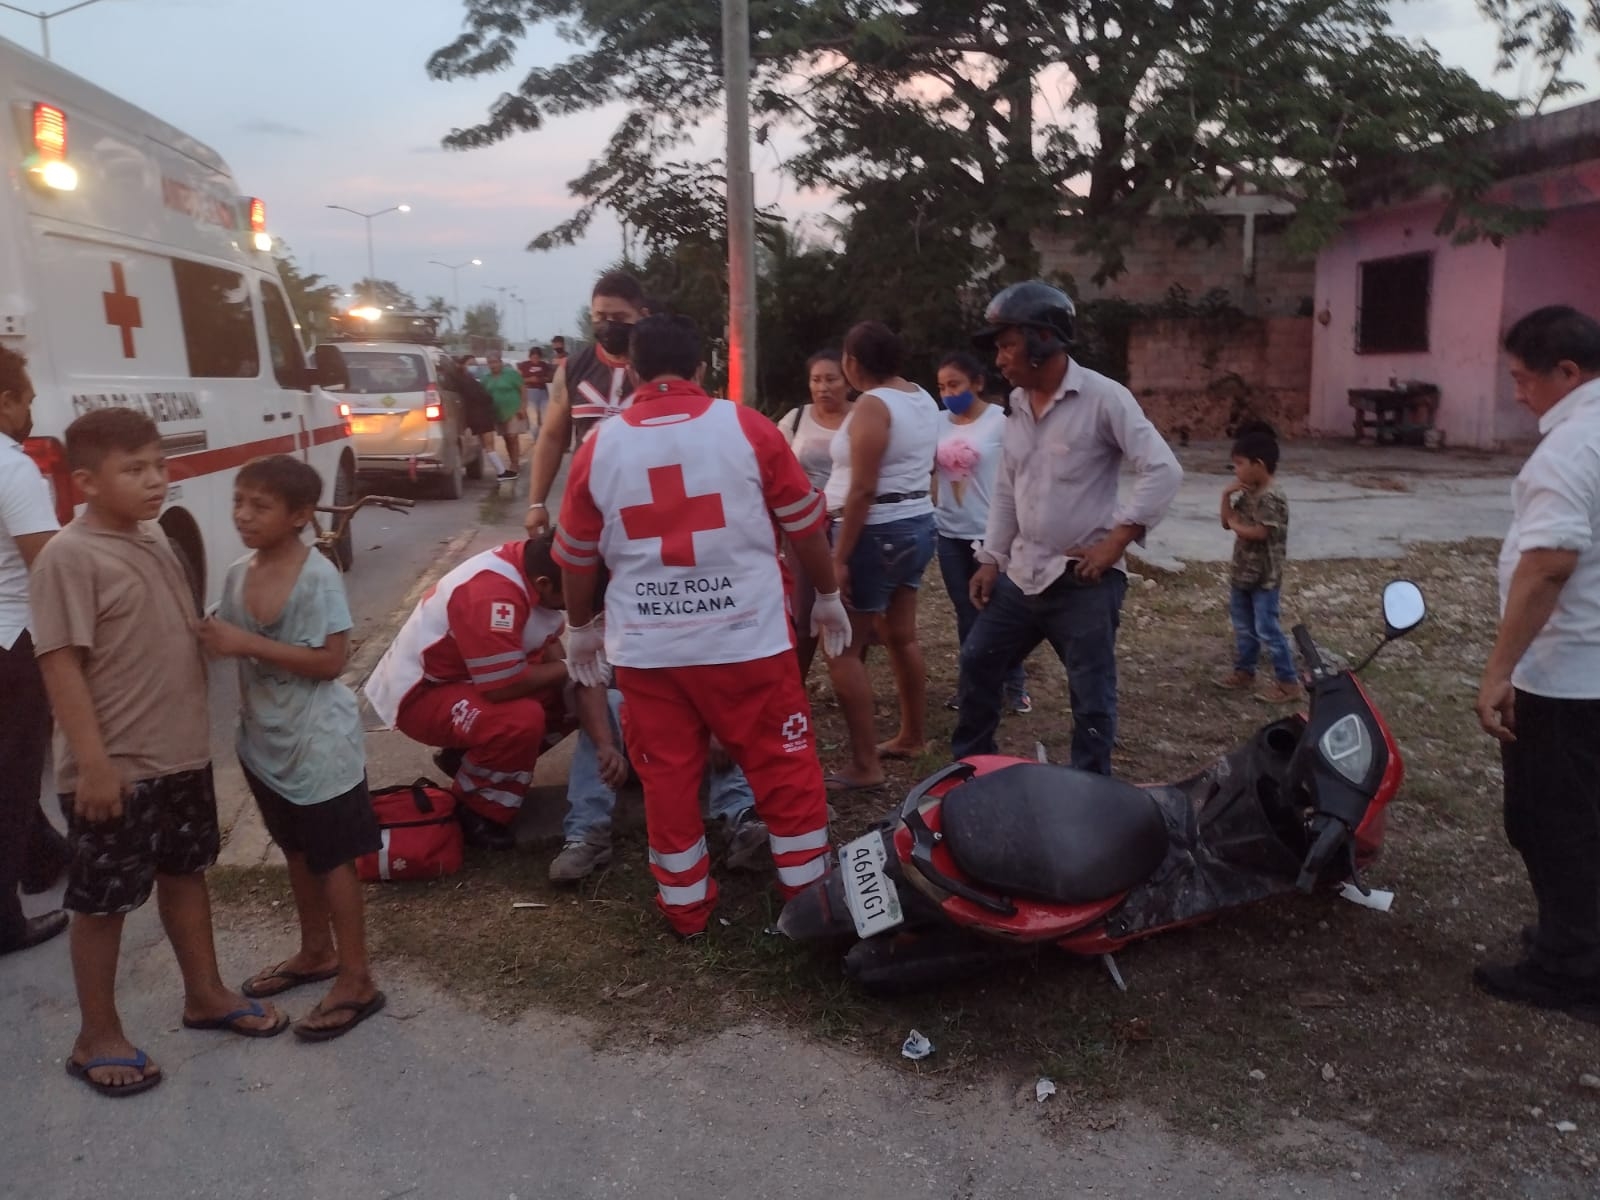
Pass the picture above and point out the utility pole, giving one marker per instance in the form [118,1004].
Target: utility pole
[741,204]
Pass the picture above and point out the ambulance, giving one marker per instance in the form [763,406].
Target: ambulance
[134,273]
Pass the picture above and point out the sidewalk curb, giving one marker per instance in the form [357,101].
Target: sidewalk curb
[245,843]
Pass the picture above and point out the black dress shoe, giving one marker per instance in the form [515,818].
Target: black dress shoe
[1528,983]
[39,929]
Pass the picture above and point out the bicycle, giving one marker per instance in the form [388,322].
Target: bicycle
[327,540]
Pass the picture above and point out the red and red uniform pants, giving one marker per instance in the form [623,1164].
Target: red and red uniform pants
[759,712]
[502,740]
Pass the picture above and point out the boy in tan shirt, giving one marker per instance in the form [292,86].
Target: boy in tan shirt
[113,621]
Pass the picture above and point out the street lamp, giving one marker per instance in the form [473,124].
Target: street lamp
[455,279]
[372,272]
[45,18]
[499,309]
[523,305]
[741,204]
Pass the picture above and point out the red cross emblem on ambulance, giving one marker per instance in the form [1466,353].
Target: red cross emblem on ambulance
[674,516]
[502,617]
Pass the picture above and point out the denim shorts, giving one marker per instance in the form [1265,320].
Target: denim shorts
[888,557]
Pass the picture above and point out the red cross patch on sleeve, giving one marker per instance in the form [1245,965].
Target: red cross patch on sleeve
[502,617]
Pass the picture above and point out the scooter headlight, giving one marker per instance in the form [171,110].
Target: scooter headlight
[1347,747]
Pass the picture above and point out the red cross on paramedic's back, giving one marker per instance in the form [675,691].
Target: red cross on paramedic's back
[674,516]
[122,310]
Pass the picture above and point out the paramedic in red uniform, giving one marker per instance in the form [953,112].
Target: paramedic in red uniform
[678,496]
[477,668]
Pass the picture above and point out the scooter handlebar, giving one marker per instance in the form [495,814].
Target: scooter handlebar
[1331,834]
[1308,649]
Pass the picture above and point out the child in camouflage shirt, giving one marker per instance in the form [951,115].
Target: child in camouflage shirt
[1257,513]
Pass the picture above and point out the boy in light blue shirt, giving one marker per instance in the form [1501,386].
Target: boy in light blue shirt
[284,616]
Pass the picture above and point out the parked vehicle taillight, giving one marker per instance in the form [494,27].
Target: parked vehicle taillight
[344,411]
[434,409]
[50,456]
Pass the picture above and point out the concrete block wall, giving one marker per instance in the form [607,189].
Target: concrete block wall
[1203,377]
[1156,262]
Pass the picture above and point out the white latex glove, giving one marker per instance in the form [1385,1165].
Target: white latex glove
[586,653]
[831,623]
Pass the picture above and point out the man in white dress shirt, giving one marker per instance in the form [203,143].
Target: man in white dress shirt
[1541,689]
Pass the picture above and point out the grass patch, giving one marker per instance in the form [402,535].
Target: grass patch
[1412,1055]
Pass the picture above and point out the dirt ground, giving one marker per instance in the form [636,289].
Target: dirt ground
[1356,1021]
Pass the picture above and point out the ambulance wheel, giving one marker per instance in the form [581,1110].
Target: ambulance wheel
[452,481]
[344,492]
[191,568]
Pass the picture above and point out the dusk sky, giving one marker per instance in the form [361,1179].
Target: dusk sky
[316,102]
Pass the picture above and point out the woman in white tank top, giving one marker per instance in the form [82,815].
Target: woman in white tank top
[810,429]
[883,541]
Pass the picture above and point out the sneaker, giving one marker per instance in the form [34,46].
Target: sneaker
[1236,681]
[508,475]
[1021,703]
[483,834]
[579,860]
[1279,692]
[748,846]
[1525,982]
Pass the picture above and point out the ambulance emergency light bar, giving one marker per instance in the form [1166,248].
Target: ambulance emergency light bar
[48,164]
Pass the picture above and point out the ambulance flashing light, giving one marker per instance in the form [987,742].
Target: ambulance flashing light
[258,225]
[48,163]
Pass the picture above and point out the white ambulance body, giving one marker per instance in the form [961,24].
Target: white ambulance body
[133,273]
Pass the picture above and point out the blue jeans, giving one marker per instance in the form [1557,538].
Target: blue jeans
[958,563]
[886,558]
[1254,612]
[1080,621]
[590,802]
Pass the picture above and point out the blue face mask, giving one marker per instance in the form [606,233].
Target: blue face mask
[961,403]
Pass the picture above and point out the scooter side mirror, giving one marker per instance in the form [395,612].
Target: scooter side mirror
[1403,608]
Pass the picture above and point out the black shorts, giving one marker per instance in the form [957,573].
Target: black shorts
[479,416]
[168,826]
[329,833]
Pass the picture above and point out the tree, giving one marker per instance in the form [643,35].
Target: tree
[1549,33]
[385,293]
[482,321]
[311,297]
[924,116]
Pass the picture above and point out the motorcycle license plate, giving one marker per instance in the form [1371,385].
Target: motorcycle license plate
[874,902]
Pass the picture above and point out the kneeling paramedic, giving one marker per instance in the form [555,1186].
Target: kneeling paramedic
[681,497]
[477,669]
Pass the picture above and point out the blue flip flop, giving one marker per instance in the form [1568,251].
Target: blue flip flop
[138,1062]
[230,1022]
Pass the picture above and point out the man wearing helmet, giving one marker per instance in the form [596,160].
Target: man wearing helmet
[1053,567]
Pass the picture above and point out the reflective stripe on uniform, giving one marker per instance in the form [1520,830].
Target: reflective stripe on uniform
[482,677]
[817,839]
[811,508]
[681,860]
[695,893]
[493,660]
[805,873]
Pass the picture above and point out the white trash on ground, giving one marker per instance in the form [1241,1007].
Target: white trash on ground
[916,1046]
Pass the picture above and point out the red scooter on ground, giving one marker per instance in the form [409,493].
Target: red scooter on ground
[994,854]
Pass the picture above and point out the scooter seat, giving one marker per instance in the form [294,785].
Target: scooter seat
[1053,834]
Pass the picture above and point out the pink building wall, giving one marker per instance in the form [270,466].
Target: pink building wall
[1478,291]
[1559,264]
[1462,358]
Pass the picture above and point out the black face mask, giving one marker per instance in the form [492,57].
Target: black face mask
[613,337]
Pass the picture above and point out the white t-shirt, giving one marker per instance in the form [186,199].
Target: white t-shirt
[915,422]
[968,461]
[25,507]
[811,442]
[1556,503]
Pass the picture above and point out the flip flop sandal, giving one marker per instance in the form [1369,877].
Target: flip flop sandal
[361,1009]
[838,783]
[140,1060]
[291,979]
[230,1023]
